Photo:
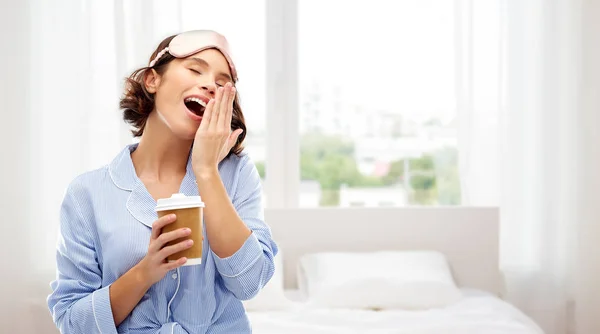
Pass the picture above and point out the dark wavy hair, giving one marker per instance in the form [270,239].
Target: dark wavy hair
[137,103]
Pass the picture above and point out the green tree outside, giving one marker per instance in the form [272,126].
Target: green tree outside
[330,161]
[260,166]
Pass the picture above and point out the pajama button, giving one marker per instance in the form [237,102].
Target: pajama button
[174,276]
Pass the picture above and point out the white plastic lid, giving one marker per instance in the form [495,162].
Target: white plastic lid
[179,201]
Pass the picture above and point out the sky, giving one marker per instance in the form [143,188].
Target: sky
[396,55]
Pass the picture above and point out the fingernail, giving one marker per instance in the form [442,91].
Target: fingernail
[187,230]
[172,216]
[190,242]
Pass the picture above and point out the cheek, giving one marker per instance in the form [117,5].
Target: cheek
[168,101]
[170,106]
[168,95]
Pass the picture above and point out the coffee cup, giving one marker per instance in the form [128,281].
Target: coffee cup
[190,213]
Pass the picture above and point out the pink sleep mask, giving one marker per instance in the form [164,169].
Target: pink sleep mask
[194,41]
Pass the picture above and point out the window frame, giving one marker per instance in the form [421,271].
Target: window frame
[282,159]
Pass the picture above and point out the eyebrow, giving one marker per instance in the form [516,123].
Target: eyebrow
[204,63]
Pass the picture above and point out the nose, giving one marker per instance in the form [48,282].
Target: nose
[209,87]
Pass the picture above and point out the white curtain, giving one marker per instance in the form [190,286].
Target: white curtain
[14,173]
[68,123]
[528,111]
[64,64]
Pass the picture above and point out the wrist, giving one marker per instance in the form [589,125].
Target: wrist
[141,277]
[206,173]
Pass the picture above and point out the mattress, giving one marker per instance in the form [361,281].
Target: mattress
[477,313]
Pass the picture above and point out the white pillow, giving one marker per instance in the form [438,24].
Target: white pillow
[271,297]
[377,280]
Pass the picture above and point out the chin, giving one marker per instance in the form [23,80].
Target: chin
[188,134]
[190,131]
[184,130]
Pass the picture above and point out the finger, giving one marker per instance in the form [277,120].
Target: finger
[208,112]
[216,108]
[169,236]
[234,137]
[225,107]
[178,247]
[175,264]
[160,223]
[229,108]
[222,106]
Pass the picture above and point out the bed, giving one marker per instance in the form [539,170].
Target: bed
[478,312]
[394,270]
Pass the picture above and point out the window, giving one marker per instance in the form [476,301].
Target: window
[376,103]
[360,110]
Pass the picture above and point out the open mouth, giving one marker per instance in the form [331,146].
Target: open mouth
[195,105]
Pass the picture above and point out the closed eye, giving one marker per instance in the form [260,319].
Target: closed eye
[195,71]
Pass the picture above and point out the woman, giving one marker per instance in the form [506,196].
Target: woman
[112,274]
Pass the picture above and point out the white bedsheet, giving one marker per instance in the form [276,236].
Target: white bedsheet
[477,313]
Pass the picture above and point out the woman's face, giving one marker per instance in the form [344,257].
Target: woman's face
[185,88]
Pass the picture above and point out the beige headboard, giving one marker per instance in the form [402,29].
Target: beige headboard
[469,237]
